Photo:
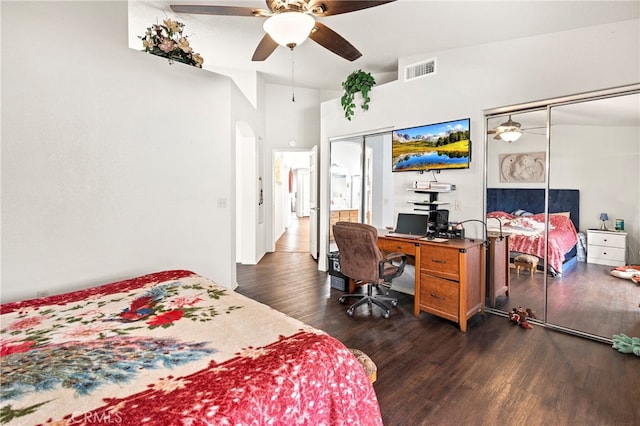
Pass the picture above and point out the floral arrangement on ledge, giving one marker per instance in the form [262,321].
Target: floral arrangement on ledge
[167,41]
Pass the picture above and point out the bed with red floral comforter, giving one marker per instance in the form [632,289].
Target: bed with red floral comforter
[527,235]
[173,348]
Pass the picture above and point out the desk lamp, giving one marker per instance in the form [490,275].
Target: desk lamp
[603,217]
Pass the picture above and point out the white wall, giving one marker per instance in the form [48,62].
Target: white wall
[607,172]
[112,159]
[247,219]
[247,195]
[473,79]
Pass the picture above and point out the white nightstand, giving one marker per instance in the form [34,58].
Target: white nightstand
[606,247]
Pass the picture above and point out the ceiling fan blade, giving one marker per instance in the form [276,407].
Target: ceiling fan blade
[219,10]
[264,49]
[333,41]
[336,7]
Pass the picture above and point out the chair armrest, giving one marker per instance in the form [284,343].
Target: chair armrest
[395,255]
[397,259]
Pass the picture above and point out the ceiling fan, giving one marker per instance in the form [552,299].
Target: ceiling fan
[509,131]
[290,22]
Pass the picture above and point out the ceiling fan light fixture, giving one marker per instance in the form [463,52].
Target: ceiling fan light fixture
[289,28]
[510,135]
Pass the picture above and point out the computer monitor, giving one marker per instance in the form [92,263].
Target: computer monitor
[412,224]
[440,218]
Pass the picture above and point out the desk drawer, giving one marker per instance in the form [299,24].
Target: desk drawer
[439,296]
[390,245]
[442,261]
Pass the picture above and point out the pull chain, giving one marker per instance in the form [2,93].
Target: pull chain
[293,95]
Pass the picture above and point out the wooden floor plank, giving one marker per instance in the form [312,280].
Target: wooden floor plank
[430,373]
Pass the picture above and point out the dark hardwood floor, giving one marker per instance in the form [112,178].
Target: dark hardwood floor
[430,373]
[586,298]
[296,238]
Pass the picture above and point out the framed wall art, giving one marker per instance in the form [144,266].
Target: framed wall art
[527,167]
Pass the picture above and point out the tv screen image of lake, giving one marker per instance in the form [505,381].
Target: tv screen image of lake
[431,160]
[436,146]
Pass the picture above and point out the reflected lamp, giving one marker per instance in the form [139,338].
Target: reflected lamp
[510,135]
[604,218]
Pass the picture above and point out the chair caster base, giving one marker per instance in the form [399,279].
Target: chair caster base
[342,300]
[350,312]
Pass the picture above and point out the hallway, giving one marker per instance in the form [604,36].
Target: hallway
[296,238]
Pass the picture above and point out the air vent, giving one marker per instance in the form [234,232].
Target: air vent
[420,69]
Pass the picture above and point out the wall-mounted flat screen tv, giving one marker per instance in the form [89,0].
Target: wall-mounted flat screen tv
[438,146]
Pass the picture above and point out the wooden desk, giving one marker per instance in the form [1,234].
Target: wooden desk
[499,275]
[450,276]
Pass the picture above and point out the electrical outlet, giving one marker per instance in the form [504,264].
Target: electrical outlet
[42,293]
[457,206]
[222,203]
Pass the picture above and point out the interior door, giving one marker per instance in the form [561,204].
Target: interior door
[313,202]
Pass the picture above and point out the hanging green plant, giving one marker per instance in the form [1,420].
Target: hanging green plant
[357,81]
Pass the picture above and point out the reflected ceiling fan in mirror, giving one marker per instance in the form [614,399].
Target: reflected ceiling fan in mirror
[291,22]
[509,131]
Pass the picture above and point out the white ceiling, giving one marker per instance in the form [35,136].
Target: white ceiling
[383,33]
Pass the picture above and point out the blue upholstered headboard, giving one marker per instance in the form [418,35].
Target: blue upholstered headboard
[532,200]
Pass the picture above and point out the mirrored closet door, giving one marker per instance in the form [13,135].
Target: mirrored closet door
[515,182]
[566,193]
[361,189]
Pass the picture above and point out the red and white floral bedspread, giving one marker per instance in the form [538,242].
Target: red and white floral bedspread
[527,235]
[173,348]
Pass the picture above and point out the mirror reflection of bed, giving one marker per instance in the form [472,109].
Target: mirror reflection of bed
[519,213]
[593,148]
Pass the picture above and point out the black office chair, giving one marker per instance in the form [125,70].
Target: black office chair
[362,260]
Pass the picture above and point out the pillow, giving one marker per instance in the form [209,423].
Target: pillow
[522,213]
[500,215]
[567,214]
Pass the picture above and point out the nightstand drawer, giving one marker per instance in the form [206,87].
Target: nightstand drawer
[604,255]
[608,239]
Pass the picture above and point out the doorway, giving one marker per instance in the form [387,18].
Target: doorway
[292,202]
